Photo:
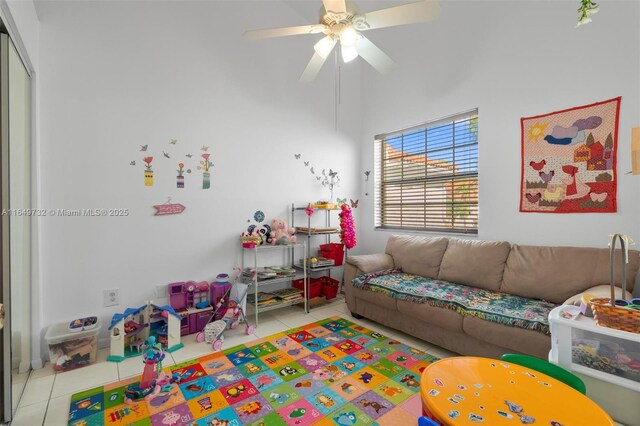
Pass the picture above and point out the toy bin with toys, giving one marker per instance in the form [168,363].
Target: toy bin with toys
[333,251]
[72,349]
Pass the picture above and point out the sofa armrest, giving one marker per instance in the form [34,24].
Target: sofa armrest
[597,291]
[371,262]
[356,265]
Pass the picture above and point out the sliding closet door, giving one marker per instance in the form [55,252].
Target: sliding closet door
[15,172]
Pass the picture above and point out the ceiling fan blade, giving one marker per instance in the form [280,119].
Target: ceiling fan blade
[283,32]
[374,56]
[313,68]
[335,6]
[411,13]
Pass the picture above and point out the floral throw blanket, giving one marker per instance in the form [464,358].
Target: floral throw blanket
[489,305]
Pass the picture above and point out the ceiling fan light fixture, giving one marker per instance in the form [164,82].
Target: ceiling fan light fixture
[348,36]
[349,53]
[325,46]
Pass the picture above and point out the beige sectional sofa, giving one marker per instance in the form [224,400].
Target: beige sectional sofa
[552,274]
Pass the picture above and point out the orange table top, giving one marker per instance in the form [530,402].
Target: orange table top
[473,390]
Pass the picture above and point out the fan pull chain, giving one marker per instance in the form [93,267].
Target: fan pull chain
[336,74]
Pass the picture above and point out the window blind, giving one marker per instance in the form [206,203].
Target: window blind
[426,177]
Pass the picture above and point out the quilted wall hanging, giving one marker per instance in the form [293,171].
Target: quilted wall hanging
[569,160]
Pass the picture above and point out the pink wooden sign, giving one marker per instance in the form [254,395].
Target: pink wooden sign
[163,209]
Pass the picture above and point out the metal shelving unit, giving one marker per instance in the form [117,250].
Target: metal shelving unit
[327,238]
[288,259]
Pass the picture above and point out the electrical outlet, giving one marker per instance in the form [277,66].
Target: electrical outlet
[111,297]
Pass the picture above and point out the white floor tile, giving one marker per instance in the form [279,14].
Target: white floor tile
[37,390]
[58,411]
[18,385]
[296,319]
[46,370]
[237,339]
[31,415]
[413,341]
[191,351]
[85,378]
[267,328]
[326,312]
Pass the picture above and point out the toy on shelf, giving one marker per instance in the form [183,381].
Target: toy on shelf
[154,380]
[250,239]
[227,314]
[281,233]
[131,329]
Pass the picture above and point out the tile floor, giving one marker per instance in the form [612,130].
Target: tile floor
[46,398]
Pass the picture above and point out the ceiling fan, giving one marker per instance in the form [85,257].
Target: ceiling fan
[341,21]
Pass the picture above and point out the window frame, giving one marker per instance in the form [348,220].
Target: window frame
[379,169]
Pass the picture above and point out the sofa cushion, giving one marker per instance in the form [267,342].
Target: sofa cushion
[467,301]
[475,263]
[557,273]
[417,255]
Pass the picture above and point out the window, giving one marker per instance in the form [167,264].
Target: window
[427,176]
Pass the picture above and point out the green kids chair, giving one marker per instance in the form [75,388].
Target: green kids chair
[547,368]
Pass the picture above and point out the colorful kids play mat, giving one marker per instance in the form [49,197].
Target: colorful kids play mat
[332,372]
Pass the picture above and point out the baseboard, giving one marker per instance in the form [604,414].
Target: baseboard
[37,363]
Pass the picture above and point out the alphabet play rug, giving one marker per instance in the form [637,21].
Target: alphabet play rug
[332,372]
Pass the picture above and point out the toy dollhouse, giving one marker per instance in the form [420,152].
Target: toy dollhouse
[194,301]
[130,329]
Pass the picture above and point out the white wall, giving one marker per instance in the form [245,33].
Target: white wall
[510,60]
[117,75]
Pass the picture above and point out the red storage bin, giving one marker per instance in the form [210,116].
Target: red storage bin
[337,256]
[329,287]
[333,251]
[315,286]
[332,247]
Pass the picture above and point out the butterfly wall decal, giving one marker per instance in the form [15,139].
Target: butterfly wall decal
[173,141]
[204,148]
[306,164]
[133,163]
[354,204]
[297,156]
[165,154]
[341,201]
[318,177]
[189,155]
[144,147]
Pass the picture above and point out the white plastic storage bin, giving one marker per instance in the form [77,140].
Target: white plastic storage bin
[607,360]
[69,350]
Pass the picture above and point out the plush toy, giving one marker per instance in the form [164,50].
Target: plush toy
[281,233]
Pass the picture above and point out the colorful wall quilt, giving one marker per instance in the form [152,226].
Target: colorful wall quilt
[569,160]
[332,372]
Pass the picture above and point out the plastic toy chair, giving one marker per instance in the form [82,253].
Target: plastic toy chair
[547,368]
[426,421]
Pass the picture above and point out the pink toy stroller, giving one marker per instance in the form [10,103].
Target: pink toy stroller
[230,313]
